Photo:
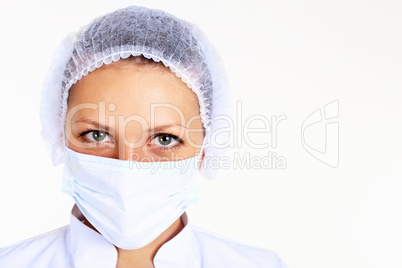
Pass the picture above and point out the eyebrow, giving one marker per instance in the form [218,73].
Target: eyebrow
[108,129]
[159,128]
[94,123]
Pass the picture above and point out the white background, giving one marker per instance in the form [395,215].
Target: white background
[282,58]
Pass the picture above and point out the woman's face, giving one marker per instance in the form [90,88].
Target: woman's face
[134,112]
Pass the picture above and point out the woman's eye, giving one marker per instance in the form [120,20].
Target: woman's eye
[165,140]
[97,136]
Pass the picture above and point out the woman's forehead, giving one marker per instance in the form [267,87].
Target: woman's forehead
[136,90]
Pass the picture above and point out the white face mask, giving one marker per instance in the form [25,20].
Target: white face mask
[130,203]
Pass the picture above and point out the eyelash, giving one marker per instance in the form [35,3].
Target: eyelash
[84,133]
[172,148]
[162,148]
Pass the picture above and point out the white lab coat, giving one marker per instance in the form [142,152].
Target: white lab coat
[76,246]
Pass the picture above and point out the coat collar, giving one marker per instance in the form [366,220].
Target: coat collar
[91,249]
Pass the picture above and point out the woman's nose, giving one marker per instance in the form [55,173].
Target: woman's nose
[129,151]
[131,140]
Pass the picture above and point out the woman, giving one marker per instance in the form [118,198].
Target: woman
[129,107]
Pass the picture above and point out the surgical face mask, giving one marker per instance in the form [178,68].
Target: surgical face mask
[130,203]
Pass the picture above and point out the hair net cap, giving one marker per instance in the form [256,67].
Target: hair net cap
[156,35]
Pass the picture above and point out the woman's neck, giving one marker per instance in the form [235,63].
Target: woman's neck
[143,257]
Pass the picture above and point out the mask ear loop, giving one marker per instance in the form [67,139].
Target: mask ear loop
[65,181]
[203,144]
[64,139]
[199,155]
